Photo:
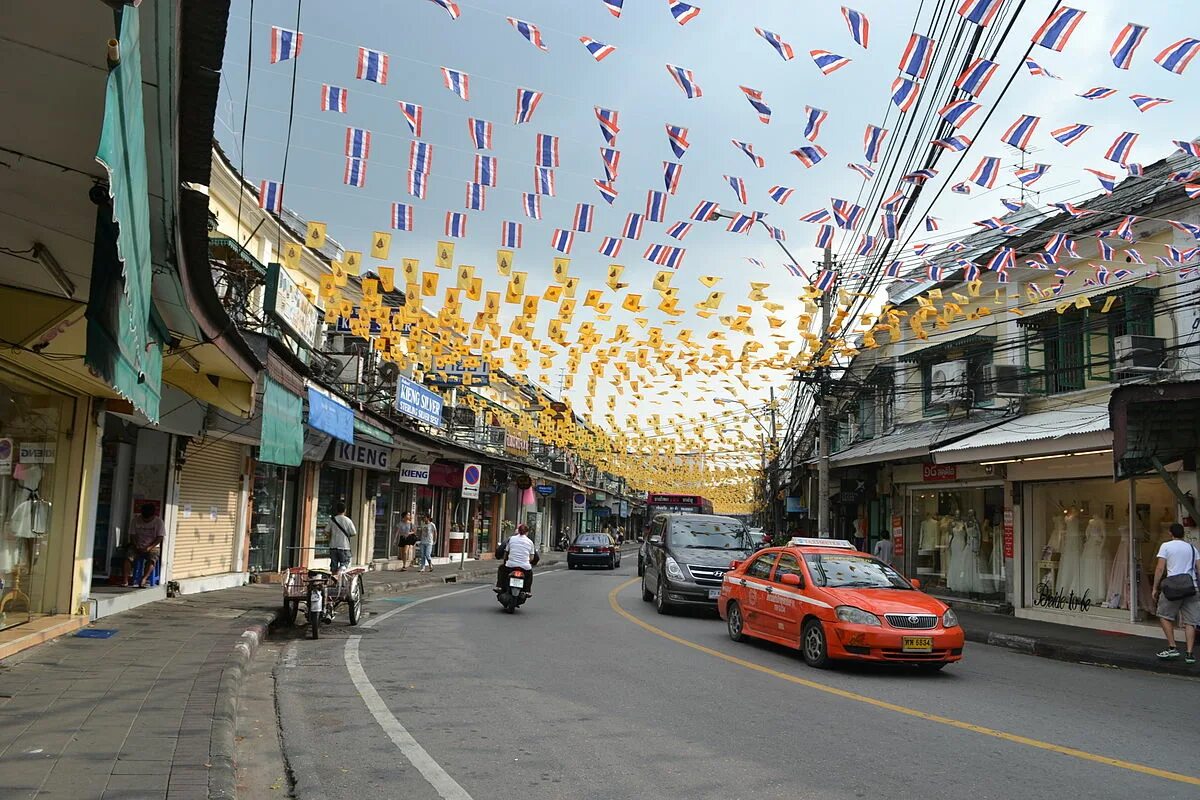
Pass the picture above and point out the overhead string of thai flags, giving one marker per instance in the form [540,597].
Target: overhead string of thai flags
[373,66]
[333,98]
[285,44]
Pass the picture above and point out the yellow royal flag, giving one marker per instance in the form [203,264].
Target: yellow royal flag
[370,287]
[553,293]
[465,274]
[445,255]
[429,284]
[340,276]
[570,286]
[491,303]
[412,296]
[614,275]
[412,270]
[291,255]
[328,286]
[531,307]
[562,268]
[633,302]
[518,281]
[315,235]
[709,280]
[475,290]
[353,262]
[512,294]
[387,278]
[662,279]
[593,297]
[381,244]
[504,262]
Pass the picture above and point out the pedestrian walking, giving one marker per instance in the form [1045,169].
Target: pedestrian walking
[883,548]
[404,531]
[341,530]
[428,535]
[1176,592]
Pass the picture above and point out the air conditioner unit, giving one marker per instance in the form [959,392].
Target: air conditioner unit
[1134,353]
[1004,380]
[947,383]
[348,370]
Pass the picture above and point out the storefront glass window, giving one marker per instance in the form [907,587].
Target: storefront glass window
[333,488]
[957,536]
[379,486]
[273,533]
[1080,538]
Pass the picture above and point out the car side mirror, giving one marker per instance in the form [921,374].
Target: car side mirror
[916,584]
[655,541]
[790,579]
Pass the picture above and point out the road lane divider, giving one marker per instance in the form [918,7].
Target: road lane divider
[845,694]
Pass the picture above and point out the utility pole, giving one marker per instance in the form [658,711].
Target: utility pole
[773,471]
[823,530]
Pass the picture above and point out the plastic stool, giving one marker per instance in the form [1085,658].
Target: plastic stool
[139,565]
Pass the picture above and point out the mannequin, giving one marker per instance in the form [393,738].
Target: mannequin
[1117,592]
[975,577]
[929,533]
[1093,574]
[1072,550]
[963,569]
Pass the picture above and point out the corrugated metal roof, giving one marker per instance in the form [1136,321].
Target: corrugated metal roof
[1084,418]
[912,441]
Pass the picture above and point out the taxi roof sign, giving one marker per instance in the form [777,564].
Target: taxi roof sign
[803,541]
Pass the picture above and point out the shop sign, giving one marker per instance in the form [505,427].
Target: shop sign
[932,473]
[794,505]
[472,476]
[329,414]
[897,535]
[623,510]
[285,301]
[359,454]
[414,473]
[414,400]
[600,496]
[516,444]
[1047,597]
[544,489]
[1008,533]
[37,452]
[579,502]
[6,456]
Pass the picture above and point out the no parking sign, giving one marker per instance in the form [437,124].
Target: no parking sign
[579,502]
[472,473]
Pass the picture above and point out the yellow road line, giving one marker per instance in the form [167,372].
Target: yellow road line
[899,709]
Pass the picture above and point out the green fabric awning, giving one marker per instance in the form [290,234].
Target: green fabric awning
[374,431]
[120,346]
[282,435]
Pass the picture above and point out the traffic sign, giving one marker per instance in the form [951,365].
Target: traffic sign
[472,475]
[579,502]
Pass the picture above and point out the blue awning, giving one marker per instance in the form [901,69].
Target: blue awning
[327,413]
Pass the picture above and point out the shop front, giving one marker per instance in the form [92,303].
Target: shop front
[213,498]
[371,510]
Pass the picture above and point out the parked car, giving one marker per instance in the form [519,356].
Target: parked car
[830,601]
[686,557]
[593,550]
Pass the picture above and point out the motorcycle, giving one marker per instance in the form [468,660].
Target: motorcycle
[514,595]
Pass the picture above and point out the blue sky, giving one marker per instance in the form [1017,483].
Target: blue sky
[722,49]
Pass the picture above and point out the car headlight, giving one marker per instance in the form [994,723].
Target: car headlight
[856,616]
[673,569]
[949,619]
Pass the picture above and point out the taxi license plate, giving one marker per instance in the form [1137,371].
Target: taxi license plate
[713,594]
[917,644]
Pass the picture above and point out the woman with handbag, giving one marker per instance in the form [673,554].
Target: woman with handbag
[1176,593]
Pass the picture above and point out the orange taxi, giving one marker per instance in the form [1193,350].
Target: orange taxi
[832,602]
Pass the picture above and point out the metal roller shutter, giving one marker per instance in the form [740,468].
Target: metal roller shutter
[209,488]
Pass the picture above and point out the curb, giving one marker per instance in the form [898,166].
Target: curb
[1078,654]
[222,781]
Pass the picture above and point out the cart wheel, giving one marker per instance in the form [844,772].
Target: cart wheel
[290,609]
[356,600]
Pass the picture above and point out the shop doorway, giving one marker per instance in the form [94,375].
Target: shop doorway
[133,472]
[274,534]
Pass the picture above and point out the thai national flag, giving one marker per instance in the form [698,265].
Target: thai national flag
[917,57]
[450,6]
[783,48]
[358,143]
[614,7]
[481,133]
[819,216]
[825,280]
[562,241]
[1060,245]
[1144,102]
[609,126]
[1057,28]
[828,62]
[414,115]
[703,210]
[611,247]
[372,66]
[1037,70]
[1019,133]
[859,25]
[873,140]
[543,181]
[981,12]
[1190,148]
[866,246]
[1004,259]
[682,12]
[532,203]
[862,169]
[1107,182]
[846,214]
[679,230]
[671,174]
[485,170]
[1118,152]
[656,206]
[476,197]
[893,270]
[741,223]
[417,183]
[673,257]
[1013,205]
[810,155]
[653,252]
[748,149]
[333,98]
[824,236]
[933,272]
[677,136]
[955,144]
[285,44]
[584,213]
[961,188]
[402,217]
[456,224]
[530,32]
[755,96]
[793,270]
[457,81]
[607,191]
[612,162]
[933,223]
[527,103]
[686,81]
[919,175]
[270,196]
[1098,93]
[975,77]
[889,226]
[814,118]
[958,112]
[985,174]
[633,226]
[420,157]
[739,188]
[780,194]
[904,93]
[1184,176]
[599,50]
[1126,43]
[1071,210]
[355,173]
[546,153]
[1031,175]
[1177,57]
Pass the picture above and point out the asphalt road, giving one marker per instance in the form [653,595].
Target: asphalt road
[573,698]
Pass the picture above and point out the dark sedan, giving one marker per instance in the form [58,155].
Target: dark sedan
[593,550]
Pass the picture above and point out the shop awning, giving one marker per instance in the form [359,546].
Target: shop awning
[282,426]
[330,414]
[1075,428]
[912,441]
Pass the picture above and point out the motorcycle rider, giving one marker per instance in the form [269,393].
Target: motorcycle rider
[518,552]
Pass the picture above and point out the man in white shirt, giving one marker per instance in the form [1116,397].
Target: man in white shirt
[1177,557]
[883,548]
[341,528]
[519,552]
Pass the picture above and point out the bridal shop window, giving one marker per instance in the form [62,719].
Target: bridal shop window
[1081,541]
[958,538]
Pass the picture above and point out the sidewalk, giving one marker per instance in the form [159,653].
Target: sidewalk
[1067,643]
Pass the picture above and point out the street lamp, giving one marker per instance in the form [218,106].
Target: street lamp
[770,466]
